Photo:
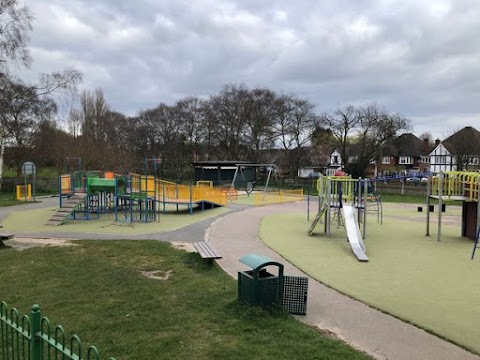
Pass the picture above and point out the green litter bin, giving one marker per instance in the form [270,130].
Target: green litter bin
[259,287]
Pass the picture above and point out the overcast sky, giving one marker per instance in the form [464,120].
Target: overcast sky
[420,58]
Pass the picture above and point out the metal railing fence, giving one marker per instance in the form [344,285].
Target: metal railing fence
[32,338]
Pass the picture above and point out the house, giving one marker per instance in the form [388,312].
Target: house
[460,151]
[335,164]
[441,159]
[406,154]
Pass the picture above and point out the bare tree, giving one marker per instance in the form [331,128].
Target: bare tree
[190,117]
[231,110]
[121,135]
[367,126]
[211,141]
[426,136]
[322,144]
[303,125]
[15,25]
[95,127]
[258,131]
[74,122]
[294,126]
[51,145]
[376,127]
[22,110]
[160,137]
[342,122]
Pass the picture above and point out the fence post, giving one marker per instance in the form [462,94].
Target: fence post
[35,341]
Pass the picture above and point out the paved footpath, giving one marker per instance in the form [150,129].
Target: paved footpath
[379,335]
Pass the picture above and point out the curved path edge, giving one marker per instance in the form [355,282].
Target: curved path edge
[377,334]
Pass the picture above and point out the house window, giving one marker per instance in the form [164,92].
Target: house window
[441,159]
[386,160]
[470,160]
[406,160]
[335,159]
[425,159]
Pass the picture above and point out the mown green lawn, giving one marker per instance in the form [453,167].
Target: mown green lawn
[96,289]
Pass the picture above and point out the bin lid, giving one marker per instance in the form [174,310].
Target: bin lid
[256,261]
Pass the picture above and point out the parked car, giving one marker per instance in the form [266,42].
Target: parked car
[314,175]
[417,179]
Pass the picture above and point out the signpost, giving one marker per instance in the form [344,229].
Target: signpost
[29,168]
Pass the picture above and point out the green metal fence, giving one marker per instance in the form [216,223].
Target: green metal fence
[32,338]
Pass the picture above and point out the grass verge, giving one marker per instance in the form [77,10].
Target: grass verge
[97,290]
[413,199]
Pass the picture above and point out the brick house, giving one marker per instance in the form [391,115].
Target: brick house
[407,154]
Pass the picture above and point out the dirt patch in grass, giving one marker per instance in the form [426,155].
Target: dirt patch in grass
[157,274]
[22,243]
[188,247]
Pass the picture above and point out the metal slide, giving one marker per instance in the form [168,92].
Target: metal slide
[353,232]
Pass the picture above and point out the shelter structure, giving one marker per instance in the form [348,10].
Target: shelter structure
[222,173]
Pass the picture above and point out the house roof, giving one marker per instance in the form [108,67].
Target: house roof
[404,145]
[409,145]
[467,138]
[220,163]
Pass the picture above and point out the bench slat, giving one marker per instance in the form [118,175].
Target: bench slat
[206,251]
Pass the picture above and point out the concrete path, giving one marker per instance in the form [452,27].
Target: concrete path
[378,334]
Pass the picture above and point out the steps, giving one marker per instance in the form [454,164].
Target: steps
[72,204]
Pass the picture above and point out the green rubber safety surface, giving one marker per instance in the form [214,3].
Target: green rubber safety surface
[432,284]
[33,221]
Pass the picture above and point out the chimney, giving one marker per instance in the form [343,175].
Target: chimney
[426,145]
[437,141]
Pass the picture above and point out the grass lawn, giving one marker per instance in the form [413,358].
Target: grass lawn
[432,284]
[96,289]
[415,199]
[9,200]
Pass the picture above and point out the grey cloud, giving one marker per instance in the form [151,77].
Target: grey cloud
[420,58]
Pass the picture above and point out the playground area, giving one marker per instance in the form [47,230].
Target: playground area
[430,281]
[108,223]
[127,199]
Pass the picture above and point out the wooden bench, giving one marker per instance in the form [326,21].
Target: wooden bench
[205,251]
[4,237]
